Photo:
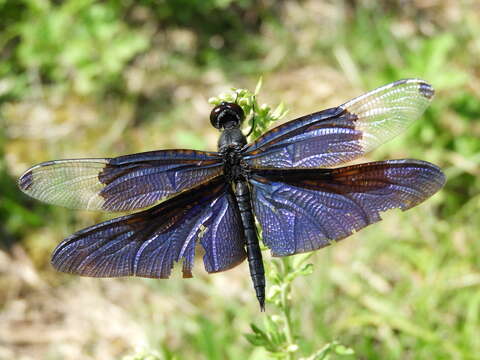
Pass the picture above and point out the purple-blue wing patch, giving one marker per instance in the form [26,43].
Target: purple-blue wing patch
[338,135]
[303,210]
[120,184]
[223,241]
[149,243]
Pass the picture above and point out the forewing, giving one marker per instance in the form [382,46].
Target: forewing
[304,210]
[334,136]
[119,184]
[149,243]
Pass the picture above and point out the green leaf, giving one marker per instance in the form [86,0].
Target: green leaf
[343,350]
[306,270]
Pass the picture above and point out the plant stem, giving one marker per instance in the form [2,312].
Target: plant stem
[286,288]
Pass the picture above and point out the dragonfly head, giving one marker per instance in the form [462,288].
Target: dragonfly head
[227,115]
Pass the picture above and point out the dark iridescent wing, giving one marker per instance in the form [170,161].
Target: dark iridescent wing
[150,242]
[334,136]
[301,210]
[119,184]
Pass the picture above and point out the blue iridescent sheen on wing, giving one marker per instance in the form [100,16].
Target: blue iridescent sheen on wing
[325,138]
[120,184]
[139,180]
[149,243]
[303,210]
[337,135]
[223,242]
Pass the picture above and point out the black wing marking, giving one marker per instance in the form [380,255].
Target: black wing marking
[149,243]
[119,184]
[302,210]
[338,135]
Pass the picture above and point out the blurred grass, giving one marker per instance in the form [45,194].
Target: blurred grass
[87,78]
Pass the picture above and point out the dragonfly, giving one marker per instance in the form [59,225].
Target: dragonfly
[292,181]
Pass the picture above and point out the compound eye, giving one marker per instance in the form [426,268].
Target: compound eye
[237,109]
[214,114]
[227,115]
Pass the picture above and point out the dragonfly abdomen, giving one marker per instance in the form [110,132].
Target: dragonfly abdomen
[254,254]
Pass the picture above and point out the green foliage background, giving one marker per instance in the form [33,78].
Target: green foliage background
[85,78]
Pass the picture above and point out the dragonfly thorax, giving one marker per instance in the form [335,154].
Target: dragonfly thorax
[231,138]
[234,167]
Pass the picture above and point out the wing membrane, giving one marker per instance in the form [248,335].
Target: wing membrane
[119,184]
[302,210]
[149,243]
[334,136]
